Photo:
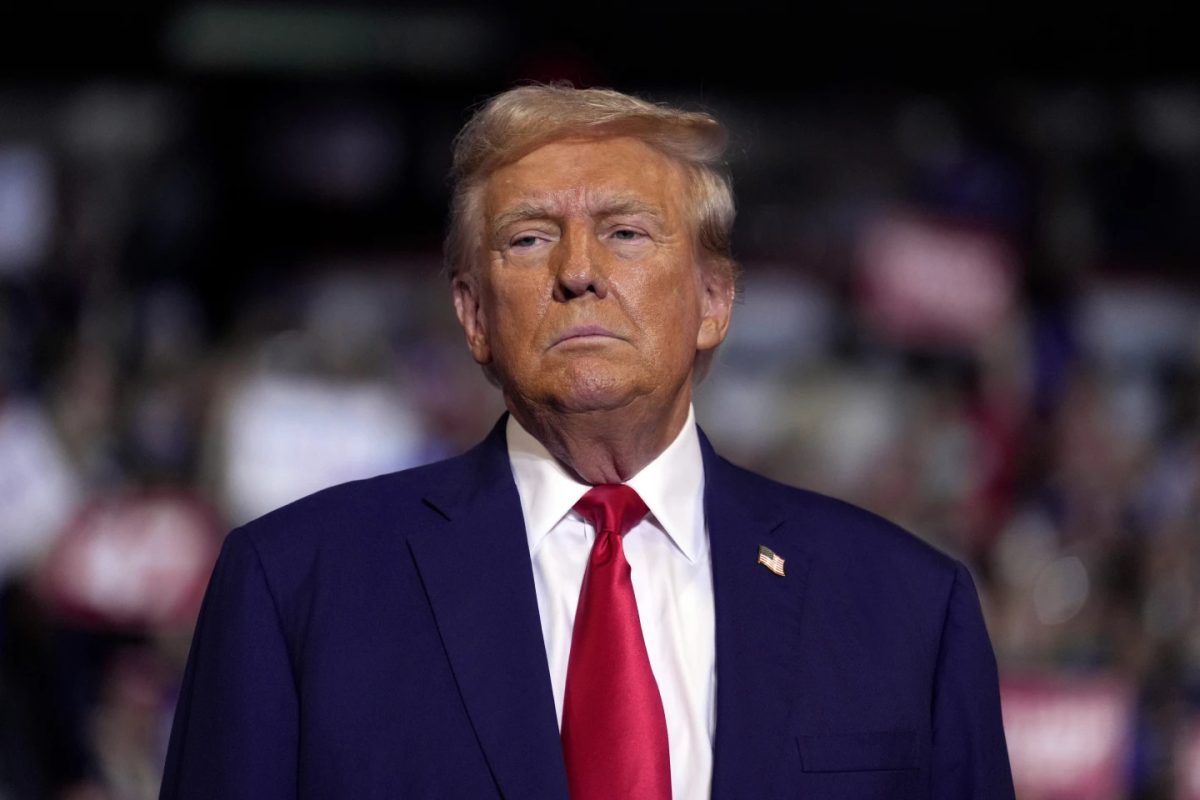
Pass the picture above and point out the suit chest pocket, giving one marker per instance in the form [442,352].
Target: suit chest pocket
[880,765]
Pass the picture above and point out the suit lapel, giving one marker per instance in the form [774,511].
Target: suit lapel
[479,580]
[757,632]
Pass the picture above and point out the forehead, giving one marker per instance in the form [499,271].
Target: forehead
[581,174]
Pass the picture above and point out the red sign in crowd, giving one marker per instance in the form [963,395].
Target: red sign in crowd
[1069,736]
[134,562]
[1187,763]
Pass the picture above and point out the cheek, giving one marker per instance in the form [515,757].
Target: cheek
[671,293]
[671,311]
[515,311]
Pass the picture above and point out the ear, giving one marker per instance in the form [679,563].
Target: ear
[469,308]
[716,298]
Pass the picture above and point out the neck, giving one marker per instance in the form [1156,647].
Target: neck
[605,446]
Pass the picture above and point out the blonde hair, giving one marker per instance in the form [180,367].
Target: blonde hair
[517,122]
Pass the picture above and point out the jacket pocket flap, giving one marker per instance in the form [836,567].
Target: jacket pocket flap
[859,751]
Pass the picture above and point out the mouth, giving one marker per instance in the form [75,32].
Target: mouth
[582,334]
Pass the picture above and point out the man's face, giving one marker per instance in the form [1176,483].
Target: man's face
[589,295]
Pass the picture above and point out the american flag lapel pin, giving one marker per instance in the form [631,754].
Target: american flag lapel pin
[768,558]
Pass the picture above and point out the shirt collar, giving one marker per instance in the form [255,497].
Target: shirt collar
[672,487]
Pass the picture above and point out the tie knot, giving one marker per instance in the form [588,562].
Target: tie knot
[612,507]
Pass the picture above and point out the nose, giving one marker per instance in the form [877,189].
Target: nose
[577,269]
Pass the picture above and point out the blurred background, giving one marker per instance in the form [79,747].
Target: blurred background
[970,303]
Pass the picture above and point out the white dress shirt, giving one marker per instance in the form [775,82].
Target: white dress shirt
[668,554]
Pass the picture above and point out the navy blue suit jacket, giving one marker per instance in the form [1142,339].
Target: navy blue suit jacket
[381,639]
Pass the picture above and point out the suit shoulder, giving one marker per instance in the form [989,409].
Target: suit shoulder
[356,508]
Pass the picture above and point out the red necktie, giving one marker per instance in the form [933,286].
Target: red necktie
[614,732]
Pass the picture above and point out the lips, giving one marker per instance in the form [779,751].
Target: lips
[583,332]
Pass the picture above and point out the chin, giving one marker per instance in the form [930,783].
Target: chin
[585,389]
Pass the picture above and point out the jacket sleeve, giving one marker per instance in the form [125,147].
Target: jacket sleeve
[970,757]
[236,722]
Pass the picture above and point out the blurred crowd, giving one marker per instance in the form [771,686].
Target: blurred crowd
[978,317]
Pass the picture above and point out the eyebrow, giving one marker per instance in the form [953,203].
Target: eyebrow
[520,213]
[602,206]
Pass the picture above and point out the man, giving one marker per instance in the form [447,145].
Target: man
[591,600]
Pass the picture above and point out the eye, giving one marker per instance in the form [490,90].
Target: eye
[528,240]
[627,234]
